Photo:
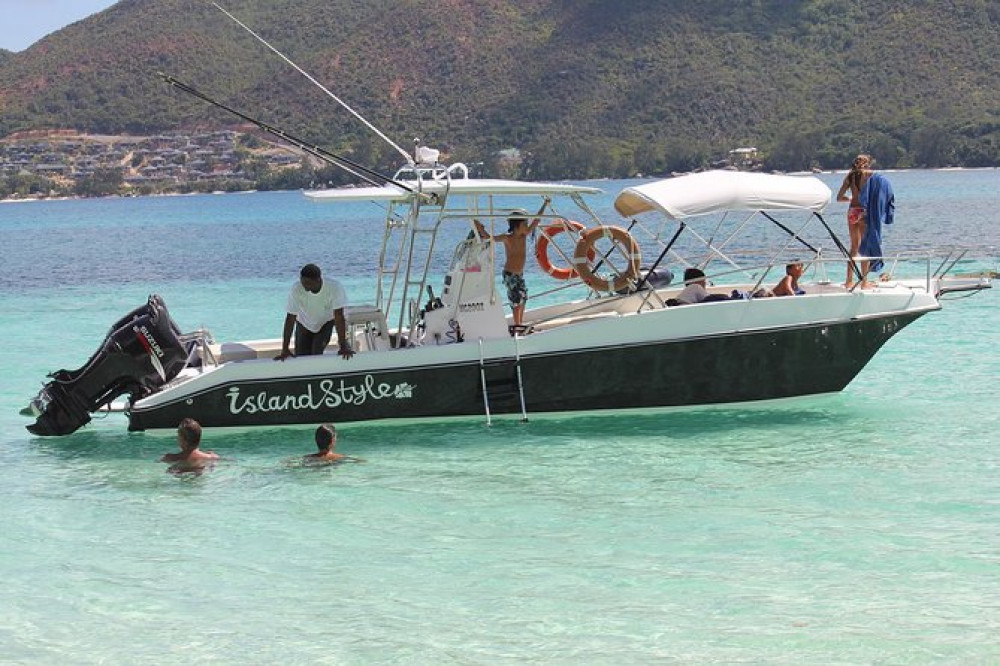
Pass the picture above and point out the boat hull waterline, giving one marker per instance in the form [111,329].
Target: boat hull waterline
[732,368]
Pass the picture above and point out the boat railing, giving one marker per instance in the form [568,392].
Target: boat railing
[933,264]
[929,265]
[420,172]
[199,345]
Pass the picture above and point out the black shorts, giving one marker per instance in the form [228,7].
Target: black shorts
[308,343]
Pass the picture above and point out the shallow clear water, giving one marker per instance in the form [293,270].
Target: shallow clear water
[854,528]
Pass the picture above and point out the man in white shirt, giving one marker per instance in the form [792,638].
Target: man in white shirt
[695,291]
[314,307]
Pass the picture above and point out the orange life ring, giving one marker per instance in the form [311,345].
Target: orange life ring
[542,248]
[583,258]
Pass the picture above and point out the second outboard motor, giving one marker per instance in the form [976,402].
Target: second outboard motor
[142,352]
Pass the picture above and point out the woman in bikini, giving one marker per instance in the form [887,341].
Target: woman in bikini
[854,181]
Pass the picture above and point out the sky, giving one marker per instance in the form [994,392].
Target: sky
[24,22]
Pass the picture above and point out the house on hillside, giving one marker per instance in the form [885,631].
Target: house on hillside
[745,159]
[508,162]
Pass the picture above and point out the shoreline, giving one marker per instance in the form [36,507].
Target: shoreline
[36,199]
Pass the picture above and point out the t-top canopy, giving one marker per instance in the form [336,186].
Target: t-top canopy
[717,191]
[459,186]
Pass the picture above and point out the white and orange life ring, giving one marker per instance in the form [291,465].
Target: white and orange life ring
[583,257]
[542,248]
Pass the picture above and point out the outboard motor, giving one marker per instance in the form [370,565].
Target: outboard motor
[142,352]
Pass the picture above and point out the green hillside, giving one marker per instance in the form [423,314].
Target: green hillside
[582,87]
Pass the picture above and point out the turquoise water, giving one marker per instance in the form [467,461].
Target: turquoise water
[855,528]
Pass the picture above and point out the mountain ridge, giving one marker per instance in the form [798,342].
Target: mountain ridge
[583,89]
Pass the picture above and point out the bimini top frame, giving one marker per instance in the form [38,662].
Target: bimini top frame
[713,196]
[413,220]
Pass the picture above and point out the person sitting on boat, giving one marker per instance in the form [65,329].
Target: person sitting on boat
[326,442]
[191,458]
[515,243]
[314,307]
[695,290]
[789,285]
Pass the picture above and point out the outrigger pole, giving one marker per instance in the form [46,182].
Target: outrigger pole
[406,156]
[364,173]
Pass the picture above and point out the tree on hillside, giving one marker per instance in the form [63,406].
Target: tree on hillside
[794,151]
[102,182]
[932,145]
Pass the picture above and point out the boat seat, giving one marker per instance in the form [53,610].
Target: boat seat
[365,323]
[367,327]
[246,350]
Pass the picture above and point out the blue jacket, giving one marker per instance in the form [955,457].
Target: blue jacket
[880,208]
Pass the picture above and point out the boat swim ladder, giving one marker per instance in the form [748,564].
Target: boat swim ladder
[520,380]
[482,379]
[485,384]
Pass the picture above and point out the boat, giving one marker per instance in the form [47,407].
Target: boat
[437,340]
[609,335]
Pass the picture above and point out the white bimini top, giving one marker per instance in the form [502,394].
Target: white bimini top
[719,191]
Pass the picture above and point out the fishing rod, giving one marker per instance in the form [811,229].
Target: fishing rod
[406,156]
[364,173]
